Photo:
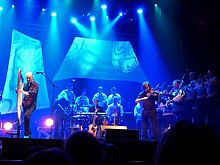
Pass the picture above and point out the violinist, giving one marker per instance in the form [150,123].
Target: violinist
[148,99]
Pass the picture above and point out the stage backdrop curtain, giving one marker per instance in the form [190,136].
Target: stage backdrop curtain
[26,54]
[101,59]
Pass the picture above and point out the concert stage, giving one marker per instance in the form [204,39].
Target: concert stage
[131,152]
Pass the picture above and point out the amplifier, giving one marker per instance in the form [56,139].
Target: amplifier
[117,133]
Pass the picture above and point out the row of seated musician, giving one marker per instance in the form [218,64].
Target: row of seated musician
[113,109]
[82,102]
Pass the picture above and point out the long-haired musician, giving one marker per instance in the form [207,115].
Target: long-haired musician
[149,121]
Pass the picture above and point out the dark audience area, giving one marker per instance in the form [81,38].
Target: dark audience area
[184,143]
[17,150]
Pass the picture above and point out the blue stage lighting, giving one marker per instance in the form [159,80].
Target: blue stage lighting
[104,6]
[139,11]
[92,18]
[53,14]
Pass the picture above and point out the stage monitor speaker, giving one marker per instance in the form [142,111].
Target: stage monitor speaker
[104,127]
[118,133]
[102,130]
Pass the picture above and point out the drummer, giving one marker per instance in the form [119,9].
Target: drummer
[82,102]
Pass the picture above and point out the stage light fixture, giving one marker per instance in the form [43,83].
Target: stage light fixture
[104,6]
[53,14]
[49,122]
[8,126]
[13,6]
[1,8]
[139,11]
[73,20]
[92,18]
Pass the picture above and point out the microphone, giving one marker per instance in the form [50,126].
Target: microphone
[39,72]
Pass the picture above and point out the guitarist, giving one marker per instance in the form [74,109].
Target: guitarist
[96,120]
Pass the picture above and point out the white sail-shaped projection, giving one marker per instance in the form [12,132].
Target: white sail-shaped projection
[101,59]
[26,54]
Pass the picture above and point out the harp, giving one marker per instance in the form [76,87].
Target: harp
[19,100]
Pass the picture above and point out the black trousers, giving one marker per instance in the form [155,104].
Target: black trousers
[149,131]
[27,119]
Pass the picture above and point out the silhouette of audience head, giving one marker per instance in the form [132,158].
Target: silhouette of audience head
[33,149]
[51,156]
[188,144]
[83,148]
[111,153]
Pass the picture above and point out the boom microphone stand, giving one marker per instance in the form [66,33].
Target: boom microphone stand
[52,110]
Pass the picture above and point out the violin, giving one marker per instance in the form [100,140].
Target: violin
[151,92]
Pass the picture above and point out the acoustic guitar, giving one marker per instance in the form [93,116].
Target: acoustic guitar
[93,126]
[105,122]
[114,122]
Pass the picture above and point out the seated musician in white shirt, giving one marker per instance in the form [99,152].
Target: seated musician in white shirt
[115,112]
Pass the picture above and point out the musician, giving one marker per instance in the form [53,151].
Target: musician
[68,95]
[148,100]
[200,113]
[212,84]
[112,95]
[138,114]
[101,96]
[177,95]
[64,105]
[98,109]
[30,92]
[82,101]
[115,112]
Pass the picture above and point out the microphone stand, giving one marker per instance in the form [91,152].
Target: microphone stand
[183,78]
[52,109]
